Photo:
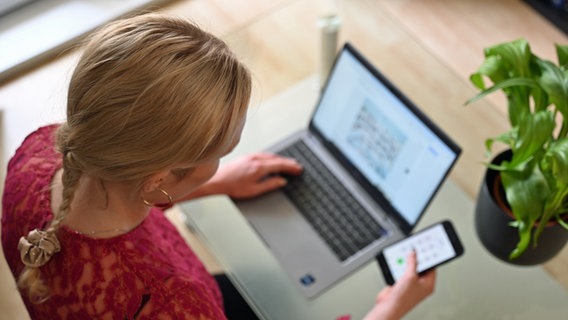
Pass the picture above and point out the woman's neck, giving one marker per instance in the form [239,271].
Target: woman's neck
[100,210]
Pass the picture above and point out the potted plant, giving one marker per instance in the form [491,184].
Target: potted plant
[534,171]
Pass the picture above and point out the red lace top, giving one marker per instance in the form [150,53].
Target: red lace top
[148,273]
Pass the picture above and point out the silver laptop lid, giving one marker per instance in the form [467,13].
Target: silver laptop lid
[380,136]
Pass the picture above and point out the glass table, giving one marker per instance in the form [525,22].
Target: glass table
[476,286]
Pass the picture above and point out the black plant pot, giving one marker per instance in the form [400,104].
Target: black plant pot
[494,232]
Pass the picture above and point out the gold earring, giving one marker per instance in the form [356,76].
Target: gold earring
[160,205]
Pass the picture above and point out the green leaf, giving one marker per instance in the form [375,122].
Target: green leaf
[562,54]
[534,130]
[515,57]
[562,222]
[508,138]
[503,85]
[554,81]
[526,193]
[555,163]
[524,231]
[489,68]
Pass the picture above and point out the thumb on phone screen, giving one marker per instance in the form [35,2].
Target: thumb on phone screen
[411,262]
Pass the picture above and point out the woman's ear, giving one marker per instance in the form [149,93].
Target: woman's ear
[154,181]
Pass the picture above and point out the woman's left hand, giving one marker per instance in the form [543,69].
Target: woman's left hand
[253,175]
[394,302]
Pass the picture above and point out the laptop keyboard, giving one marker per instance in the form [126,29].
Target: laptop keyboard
[330,209]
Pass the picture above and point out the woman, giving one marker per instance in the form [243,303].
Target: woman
[153,104]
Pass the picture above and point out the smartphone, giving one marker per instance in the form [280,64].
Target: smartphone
[434,245]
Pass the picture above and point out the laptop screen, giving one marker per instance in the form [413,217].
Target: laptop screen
[402,155]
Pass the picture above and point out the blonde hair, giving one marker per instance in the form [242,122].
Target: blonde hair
[149,93]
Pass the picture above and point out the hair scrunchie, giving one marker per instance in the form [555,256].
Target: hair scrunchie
[37,248]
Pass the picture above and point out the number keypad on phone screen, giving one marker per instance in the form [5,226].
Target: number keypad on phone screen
[432,247]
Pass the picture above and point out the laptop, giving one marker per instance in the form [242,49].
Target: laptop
[372,164]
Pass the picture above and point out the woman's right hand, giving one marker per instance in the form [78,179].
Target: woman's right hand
[393,302]
[249,176]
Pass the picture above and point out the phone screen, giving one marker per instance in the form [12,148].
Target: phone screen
[433,246]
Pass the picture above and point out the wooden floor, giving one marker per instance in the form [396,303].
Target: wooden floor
[455,32]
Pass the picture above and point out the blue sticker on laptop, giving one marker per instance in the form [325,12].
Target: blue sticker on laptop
[307,280]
